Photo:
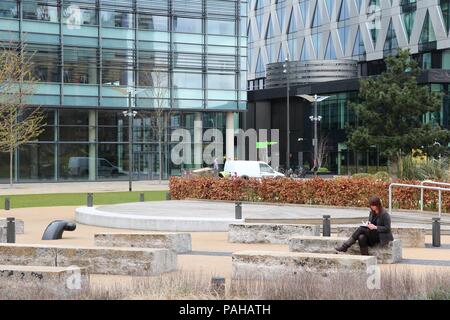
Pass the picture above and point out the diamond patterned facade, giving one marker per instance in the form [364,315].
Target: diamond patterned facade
[362,30]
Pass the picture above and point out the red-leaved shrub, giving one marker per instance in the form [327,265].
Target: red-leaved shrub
[345,192]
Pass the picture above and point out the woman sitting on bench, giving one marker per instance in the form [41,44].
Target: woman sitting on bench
[376,231]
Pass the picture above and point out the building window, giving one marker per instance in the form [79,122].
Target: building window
[153,22]
[80,65]
[41,12]
[116,19]
[46,62]
[221,27]
[445,7]
[8,9]
[73,14]
[187,25]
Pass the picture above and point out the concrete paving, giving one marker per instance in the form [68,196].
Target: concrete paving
[211,253]
[81,187]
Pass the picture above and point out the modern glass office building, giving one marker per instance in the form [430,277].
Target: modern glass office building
[329,45]
[187,58]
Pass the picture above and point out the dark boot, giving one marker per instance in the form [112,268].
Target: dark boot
[347,244]
[364,251]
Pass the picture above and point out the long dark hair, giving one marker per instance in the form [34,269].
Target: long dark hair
[376,201]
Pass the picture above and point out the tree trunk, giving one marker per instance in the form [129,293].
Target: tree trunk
[11,164]
[393,168]
[160,161]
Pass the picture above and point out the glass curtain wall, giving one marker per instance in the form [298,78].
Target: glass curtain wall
[183,57]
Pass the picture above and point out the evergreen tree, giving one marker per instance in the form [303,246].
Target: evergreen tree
[390,113]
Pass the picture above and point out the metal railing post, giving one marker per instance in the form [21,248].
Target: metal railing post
[238,211]
[440,203]
[436,231]
[90,200]
[10,230]
[326,227]
[422,188]
[7,203]
[390,199]
[421,199]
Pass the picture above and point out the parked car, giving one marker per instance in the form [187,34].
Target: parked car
[249,169]
[79,166]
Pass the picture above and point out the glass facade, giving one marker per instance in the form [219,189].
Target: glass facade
[184,57]
[327,31]
[366,31]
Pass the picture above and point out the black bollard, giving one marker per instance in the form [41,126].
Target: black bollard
[7,204]
[168,197]
[90,200]
[436,232]
[10,230]
[142,197]
[238,211]
[218,286]
[326,227]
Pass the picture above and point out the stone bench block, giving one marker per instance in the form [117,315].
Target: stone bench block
[20,225]
[178,242]
[100,260]
[270,265]
[269,233]
[411,237]
[120,261]
[391,253]
[37,282]
[27,255]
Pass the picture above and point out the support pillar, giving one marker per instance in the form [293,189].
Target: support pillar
[198,140]
[229,140]
[92,145]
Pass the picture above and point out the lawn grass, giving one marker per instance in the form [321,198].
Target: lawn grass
[78,199]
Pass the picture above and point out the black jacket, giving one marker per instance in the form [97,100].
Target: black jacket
[383,223]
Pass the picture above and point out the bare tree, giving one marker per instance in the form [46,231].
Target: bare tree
[158,92]
[19,123]
[322,151]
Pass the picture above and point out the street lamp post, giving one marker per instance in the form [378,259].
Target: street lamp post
[316,119]
[130,92]
[288,116]
[130,114]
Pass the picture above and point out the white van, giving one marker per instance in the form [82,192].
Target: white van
[250,169]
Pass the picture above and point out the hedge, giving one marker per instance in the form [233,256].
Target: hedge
[342,191]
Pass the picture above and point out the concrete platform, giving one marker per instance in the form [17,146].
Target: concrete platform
[205,216]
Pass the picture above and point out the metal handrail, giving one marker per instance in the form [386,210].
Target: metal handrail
[422,187]
[429,182]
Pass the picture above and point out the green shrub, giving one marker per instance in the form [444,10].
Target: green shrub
[362,176]
[432,169]
[323,170]
[383,176]
[435,169]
